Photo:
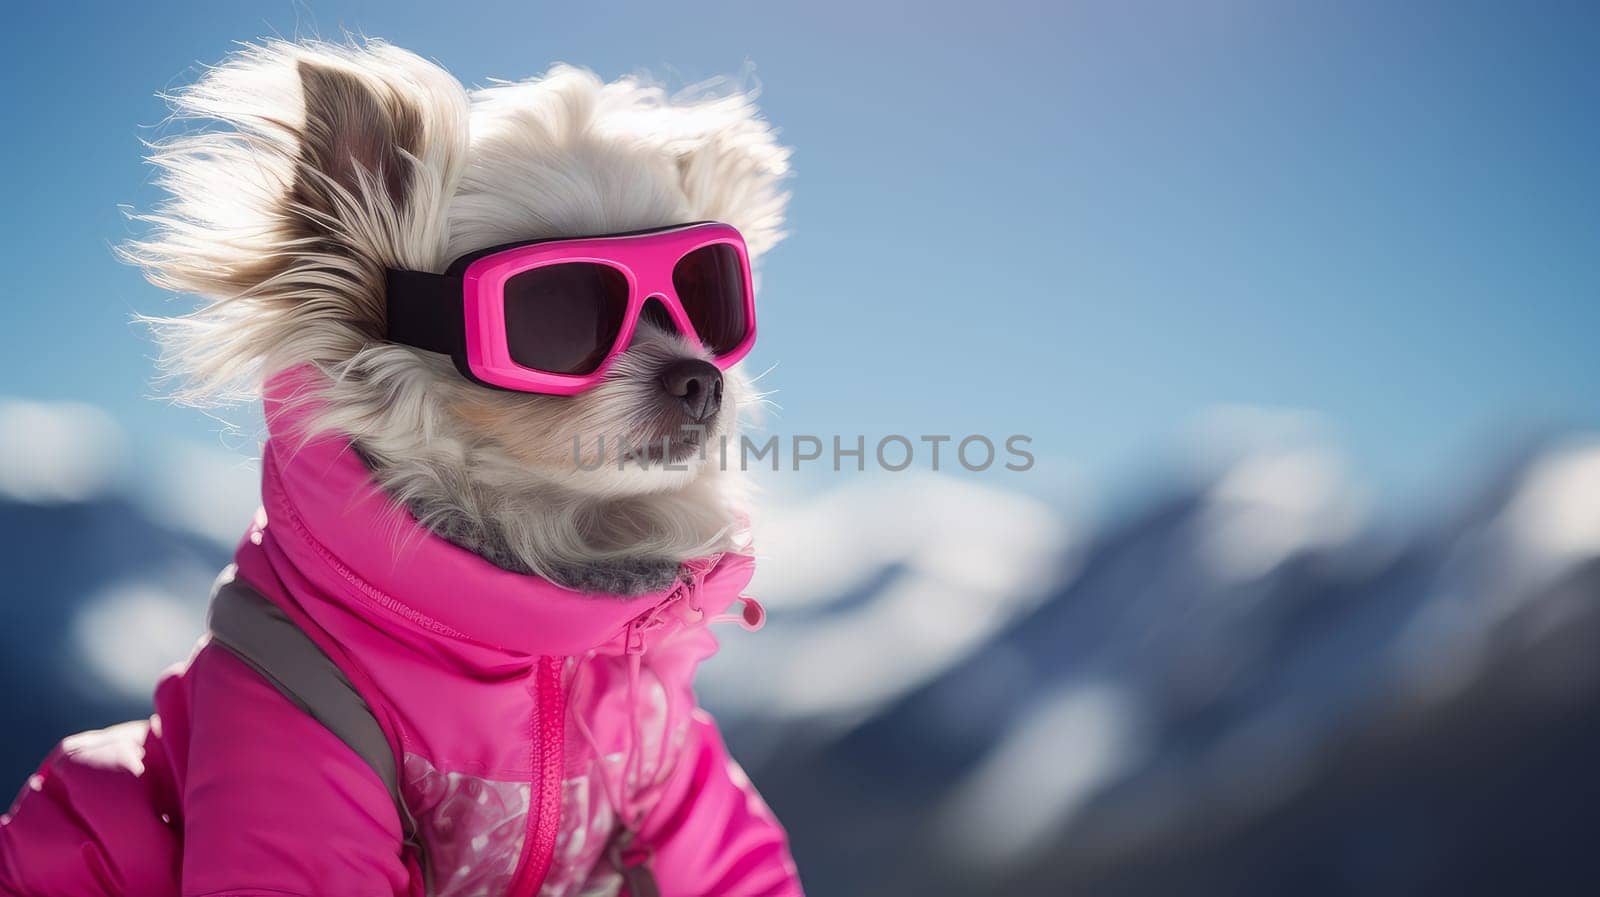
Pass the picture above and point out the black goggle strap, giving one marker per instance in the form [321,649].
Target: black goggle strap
[425,311]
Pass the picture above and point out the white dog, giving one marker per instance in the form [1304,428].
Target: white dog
[469,723]
[286,221]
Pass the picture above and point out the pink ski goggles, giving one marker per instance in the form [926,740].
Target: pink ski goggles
[551,316]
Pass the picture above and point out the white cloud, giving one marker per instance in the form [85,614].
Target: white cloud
[57,452]
[1220,436]
[132,631]
[208,491]
[1553,520]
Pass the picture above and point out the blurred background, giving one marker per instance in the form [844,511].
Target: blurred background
[1297,302]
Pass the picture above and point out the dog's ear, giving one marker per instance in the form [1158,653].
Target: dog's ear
[319,166]
[731,167]
[356,143]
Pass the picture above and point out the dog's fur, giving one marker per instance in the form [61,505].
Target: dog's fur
[329,163]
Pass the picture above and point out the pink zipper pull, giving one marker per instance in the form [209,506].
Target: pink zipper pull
[754,615]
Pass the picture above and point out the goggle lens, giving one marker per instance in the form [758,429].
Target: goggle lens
[565,318]
[710,284]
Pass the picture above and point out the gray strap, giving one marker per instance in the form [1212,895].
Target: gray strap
[263,636]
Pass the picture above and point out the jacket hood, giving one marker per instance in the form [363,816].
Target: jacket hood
[338,529]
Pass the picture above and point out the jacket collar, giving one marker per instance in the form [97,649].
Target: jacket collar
[326,517]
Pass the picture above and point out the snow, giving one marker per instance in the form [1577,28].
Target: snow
[1273,505]
[1039,774]
[946,563]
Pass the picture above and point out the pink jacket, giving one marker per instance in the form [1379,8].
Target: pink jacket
[528,722]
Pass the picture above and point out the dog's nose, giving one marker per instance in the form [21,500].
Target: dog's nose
[697,384]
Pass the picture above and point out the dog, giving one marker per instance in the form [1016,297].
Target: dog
[286,220]
[487,633]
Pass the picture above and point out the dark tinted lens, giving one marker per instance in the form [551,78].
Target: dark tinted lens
[710,284]
[563,319]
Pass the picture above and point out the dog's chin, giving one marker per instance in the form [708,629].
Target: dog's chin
[640,466]
[667,450]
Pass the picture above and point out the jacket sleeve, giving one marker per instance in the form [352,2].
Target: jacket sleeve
[273,802]
[712,835]
[93,821]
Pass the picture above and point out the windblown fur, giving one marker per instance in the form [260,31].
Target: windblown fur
[322,165]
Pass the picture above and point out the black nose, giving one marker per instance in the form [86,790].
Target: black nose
[697,384]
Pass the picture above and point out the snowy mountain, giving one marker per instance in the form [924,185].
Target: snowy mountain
[1240,686]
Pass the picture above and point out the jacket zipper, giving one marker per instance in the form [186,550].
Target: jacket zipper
[543,824]
[544,805]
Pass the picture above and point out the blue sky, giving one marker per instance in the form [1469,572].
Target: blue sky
[1084,222]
